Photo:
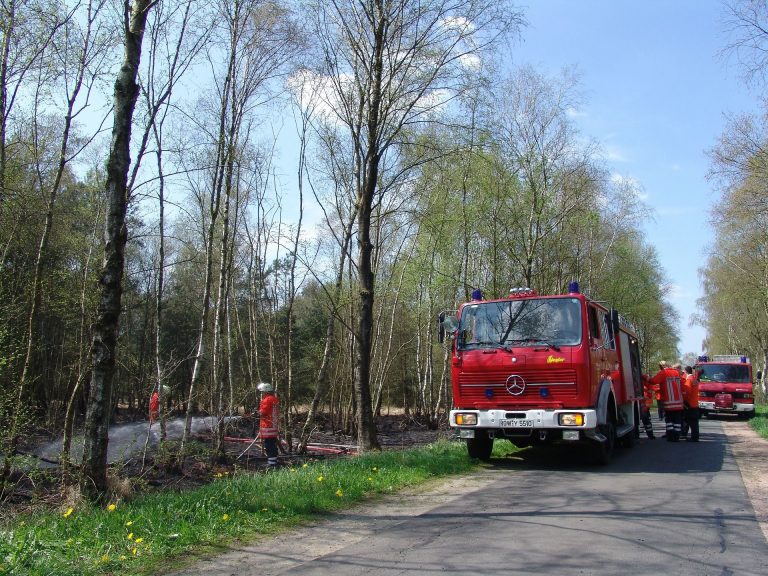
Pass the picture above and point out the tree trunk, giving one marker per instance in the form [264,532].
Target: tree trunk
[93,480]
[366,426]
[321,383]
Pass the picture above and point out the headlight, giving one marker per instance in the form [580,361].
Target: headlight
[576,419]
[466,419]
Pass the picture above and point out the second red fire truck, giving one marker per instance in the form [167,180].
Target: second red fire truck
[725,385]
[535,369]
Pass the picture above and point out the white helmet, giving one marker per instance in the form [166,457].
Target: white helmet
[265,387]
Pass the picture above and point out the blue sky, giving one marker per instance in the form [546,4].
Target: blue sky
[657,91]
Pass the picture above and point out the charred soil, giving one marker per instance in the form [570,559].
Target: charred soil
[40,483]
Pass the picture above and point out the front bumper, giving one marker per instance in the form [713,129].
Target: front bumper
[523,420]
[737,407]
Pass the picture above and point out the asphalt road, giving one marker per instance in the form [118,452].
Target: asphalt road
[659,508]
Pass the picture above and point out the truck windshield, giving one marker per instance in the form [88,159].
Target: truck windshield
[738,373]
[529,322]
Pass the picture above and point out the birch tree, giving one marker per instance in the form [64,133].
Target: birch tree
[258,41]
[391,65]
[79,52]
[93,480]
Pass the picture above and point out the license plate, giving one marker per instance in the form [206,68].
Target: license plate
[516,423]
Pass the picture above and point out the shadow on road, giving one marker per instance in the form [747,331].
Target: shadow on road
[707,455]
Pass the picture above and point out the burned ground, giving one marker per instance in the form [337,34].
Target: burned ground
[39,481]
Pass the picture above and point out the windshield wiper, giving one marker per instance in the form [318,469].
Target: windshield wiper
[542,341]
[509,344]
[479,344]
[549,344]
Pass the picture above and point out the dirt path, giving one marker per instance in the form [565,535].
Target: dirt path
[751,454]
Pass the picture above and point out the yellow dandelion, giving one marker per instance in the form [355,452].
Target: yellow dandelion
[112,507]
[134,551]
[129,523]
[68,513]
[225,517]
[130,536]
[105,558]
[374,469]
[304,465]
[139,540]
[370,479]
[339,493]
[320,478]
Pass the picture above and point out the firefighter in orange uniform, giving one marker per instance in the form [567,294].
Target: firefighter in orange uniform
[268,423]
[657,395]
[671,392]
[154,407]
[649,393]
[691,401]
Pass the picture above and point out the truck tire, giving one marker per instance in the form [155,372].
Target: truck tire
[480,446]
[603,451]
[630,438]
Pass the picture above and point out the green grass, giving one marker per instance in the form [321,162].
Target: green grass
[155,531]
[760,421]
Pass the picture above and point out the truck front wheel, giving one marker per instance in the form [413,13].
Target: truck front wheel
[603,451]
[480,446]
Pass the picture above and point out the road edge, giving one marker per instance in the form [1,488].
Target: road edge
[750,452]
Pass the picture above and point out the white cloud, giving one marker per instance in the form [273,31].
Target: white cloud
[459,24]
[316,91]
[574,113]
[470,62]
[676,292]
[614,154]
[630,184]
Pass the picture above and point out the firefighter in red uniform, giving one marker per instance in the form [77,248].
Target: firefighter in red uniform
[649,393]
[671,392]
[154,407]
[659,403]
[691,401]
[268,423]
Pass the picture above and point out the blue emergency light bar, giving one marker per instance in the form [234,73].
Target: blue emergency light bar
[725,358]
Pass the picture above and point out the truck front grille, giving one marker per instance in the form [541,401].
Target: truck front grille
[544,384]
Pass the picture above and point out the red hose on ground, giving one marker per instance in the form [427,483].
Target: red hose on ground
[311,447]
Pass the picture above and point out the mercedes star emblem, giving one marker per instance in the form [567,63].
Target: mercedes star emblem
[515,385]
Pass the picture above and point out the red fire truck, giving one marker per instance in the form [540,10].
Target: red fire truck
[536,369]
[725,385]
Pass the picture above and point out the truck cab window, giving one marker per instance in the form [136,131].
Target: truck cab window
[607,330]
[594,330]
